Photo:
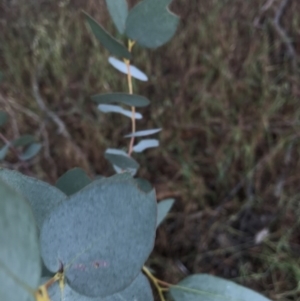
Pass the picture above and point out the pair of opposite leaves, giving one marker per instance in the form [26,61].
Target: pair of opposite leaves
[101,236]
[149,23]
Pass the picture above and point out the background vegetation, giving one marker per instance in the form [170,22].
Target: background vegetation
[226,93]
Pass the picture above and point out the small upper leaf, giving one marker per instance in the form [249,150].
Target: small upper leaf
[23,140]
[151,24]
[3,118]
[20,265]
[101,236]
[30,151]
[120,110]
[124,98]
[112,159]
[120,159]
[139,289]
[144,184]
[144,144]
[203,287]
[110,43]
[163,209]
[118,10]
[122,67]
[72,181]
[41,196]
[3,151]
[143,133]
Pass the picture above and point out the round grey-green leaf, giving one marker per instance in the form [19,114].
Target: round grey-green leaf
[3,151]
[144,184]
[41,196]
[143,133]
[163,209]
[120,159]
[145,144]
[151,24]
[120,110]
[72,181]
[20,265]
[203,287]
[124,98]
[101,236]
[118,10]
[24,140]
[138,290]
[110,43]
[30,151]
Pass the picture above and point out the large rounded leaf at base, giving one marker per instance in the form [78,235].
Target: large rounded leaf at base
[20,265]
[41,196]
[101,236]
[138,290]
[203,287]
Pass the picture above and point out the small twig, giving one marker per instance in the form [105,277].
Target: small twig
[263,9]
[62,129]
[242,182]
[156,283]
[5,140]
[282,33]
[40,102]
[12,114]
[11,102]
[287,159]
[17,165]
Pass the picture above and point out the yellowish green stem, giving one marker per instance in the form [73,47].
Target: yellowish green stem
[41,294]
[130,88]
[156,282]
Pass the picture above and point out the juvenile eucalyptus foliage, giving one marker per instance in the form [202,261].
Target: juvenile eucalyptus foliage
[88,239]
[25,147]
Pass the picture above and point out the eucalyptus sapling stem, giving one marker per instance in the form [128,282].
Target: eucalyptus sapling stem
[130,88]
[155,282]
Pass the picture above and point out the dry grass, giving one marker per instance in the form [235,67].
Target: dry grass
[226,92]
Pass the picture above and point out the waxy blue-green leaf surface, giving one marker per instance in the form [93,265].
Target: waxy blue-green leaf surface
[122,67]
[163,209]
[101,236]
[151,24]
[72,181]
[23,140]
[3,151]
[138,290]
[110,43]
[143,133]
[20,265]
[119,110]
[118,10]
[120,159]
[31,151]
[203,287]
[41,196]
[121,98]
[144,184]
[144,144]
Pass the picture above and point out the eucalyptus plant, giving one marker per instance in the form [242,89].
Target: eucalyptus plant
[88,239]
[25,147]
